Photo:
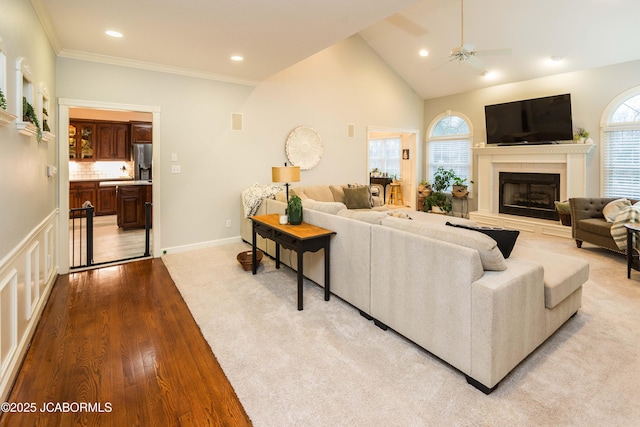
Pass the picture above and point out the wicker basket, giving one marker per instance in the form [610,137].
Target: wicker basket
[244,258]
[565,218]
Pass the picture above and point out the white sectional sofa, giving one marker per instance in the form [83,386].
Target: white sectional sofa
[442,287]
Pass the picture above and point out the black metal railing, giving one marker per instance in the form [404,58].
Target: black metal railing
[81,236]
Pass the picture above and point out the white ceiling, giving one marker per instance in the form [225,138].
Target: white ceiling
[199,36]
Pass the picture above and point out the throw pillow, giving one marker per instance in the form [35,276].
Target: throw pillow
[357,198]
[506,239]
[360,186]
[338,193]
[612,209]
[562,207]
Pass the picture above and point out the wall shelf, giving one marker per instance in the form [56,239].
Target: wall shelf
[27,128]
[6,117]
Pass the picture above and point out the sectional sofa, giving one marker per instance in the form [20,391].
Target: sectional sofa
[447,289]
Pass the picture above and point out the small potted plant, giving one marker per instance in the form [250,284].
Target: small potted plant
[459,188]
[3,101]
[29,115]
[581,135]
[294,210]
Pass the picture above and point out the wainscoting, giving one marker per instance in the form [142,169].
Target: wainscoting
[27,274]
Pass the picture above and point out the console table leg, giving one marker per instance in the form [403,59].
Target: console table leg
[300,280]
[327,271]
[629,252]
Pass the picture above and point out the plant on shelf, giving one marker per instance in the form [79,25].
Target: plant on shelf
[45,124]
[3,101]
[294,210]
[581,135]
[438,201]
[459,188]
[29,115]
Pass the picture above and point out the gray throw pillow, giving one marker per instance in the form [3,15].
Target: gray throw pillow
[357,198]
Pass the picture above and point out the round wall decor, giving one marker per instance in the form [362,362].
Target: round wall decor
[304,147]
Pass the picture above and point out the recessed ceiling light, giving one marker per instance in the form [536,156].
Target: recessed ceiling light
[489,74]
[424,53]
[237,58]
[112,33]
[556,58]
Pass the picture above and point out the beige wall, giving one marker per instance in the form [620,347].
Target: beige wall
[347,83]
[591,91]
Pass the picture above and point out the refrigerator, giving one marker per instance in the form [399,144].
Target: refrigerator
[142,154]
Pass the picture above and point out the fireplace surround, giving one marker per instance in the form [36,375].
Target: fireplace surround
[569,161]
[529,194]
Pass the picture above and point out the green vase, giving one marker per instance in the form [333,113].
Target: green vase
[295,216]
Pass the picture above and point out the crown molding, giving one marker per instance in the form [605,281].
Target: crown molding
[112,60]
[47,25]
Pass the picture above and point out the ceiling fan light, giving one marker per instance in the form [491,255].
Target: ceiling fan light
[424,53]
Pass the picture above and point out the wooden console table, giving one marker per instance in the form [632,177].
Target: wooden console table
[300,238]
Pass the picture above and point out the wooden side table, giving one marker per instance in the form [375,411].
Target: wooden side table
[300,238]
[632,229]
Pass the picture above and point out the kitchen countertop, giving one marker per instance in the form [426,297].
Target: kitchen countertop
[127,182]
[122,178]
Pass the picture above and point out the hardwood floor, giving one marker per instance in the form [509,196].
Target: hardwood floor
[110,243]
[122,339]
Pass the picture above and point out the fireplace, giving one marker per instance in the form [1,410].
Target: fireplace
[529,194]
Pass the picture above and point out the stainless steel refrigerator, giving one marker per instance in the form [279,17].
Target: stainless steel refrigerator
[142,154]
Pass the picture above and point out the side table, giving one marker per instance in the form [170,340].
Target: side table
[300,238]
[632,229]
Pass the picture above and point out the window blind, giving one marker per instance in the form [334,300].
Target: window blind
[621,163]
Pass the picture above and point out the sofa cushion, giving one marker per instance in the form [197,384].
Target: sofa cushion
[326,207]
[357,198]
[506,239]
[612,209]
[369,216]
[487,248]
[562,274]
[596,226]
[338,193]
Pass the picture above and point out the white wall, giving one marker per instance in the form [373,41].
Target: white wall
[28,205]
[591,91]
[346,83]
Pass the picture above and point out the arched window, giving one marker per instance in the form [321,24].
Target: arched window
[449,145]
[621,146]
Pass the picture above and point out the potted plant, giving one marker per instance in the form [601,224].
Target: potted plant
[29,115]
[294,210]
[437,201]
[581,135]
[459,188]
[3,101]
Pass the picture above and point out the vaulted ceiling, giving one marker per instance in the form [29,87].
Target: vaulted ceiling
[198,37]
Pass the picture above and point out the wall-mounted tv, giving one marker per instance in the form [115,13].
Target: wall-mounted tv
[530,121]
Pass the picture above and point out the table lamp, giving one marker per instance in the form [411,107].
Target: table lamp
[285,174]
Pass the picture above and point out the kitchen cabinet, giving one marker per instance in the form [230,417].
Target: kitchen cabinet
[131,201]
[82,140]
[141,132]
[80,192]
[113,141]
[106,201]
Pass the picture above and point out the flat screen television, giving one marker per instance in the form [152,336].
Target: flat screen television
[530,121]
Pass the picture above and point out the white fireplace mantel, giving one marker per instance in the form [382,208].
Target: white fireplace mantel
[568,160]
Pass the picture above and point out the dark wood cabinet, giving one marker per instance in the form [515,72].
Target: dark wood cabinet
[113,141]
[80,192]
[131,201]
[106,201]
[82,141]
[141,133]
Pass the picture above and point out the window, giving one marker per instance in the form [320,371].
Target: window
[621,147]
[384,155]
[449,145]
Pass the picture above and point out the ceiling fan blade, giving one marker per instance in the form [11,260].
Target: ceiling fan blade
[475,62]
[494,52]
[444,63]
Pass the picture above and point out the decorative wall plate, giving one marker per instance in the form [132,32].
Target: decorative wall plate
[304,147]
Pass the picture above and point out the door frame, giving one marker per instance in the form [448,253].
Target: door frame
[409,188]
[64,104]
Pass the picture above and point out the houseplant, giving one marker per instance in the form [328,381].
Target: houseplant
[3,101]
[438,201]
[294,210]
[424,191]
[581,135]
[459,188]
[29,115]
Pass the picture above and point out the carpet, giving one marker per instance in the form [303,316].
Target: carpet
[329,366]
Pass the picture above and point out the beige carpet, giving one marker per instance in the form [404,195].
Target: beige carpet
[328,366]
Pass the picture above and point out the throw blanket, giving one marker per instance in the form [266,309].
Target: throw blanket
[252,196]
[618,231]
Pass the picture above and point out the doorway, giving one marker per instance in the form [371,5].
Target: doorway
[114,240]
[392,154]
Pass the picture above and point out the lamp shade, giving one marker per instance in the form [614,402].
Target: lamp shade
[285,174]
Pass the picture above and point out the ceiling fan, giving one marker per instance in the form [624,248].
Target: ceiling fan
[467,53]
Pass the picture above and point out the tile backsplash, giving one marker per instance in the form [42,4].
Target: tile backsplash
[99,170]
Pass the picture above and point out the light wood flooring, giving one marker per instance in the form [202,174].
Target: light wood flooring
[110,243]
[122,339]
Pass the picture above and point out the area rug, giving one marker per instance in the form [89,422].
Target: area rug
[329,366]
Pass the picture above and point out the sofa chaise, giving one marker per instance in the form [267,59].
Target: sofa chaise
[447,289]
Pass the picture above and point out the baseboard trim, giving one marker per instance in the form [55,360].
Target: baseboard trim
[201,245]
